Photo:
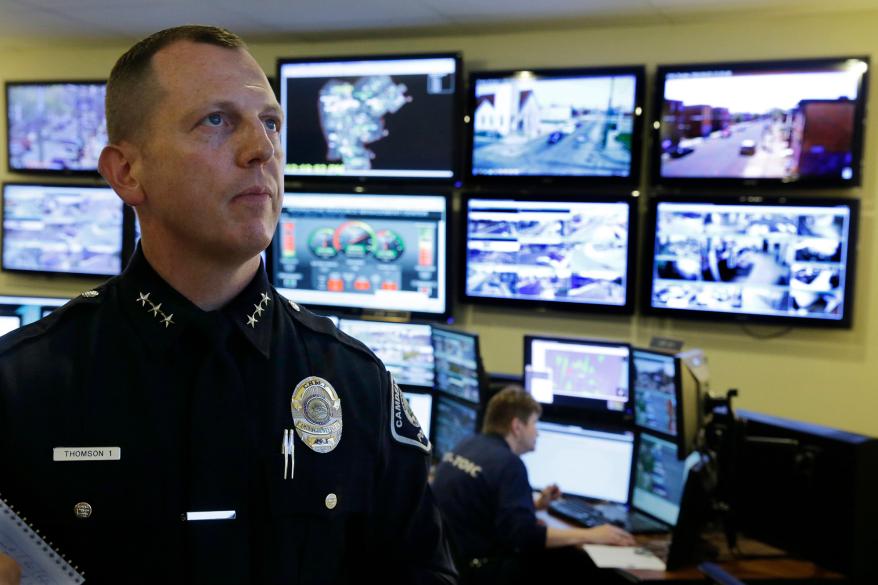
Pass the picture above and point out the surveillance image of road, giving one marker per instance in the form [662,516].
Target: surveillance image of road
[525,125]
[352,116]
[574,255]
[759,125]
[62,229]
[56,127]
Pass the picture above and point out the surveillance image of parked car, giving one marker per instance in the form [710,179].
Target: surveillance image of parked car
[759,125]
[524,125]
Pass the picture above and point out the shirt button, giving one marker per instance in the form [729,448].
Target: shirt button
[82,510]
[331,501]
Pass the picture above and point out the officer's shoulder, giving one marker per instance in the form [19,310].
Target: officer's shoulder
[326,328]
[82,306]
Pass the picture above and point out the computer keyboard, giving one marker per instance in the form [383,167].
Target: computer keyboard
[578,511]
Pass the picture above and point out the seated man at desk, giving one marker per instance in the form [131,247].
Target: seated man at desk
[483,491]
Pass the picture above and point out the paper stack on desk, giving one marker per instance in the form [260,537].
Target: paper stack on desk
[623,557]
[40,564]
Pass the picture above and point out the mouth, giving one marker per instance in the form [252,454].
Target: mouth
[254,193]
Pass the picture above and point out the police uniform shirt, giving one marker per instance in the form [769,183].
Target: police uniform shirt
[486,499]
[130,407]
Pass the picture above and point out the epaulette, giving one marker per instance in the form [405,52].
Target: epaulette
[325,326]
[39,328]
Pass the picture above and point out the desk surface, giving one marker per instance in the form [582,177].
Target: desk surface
[757,561]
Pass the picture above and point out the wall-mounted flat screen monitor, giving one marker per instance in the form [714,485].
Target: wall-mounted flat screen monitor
[458,363]
[363,252]
[753,259]
[762,123]
[556,125]
[17,311]
[454,421]
[405,348]
[578,374]
[55,127]
[582,461]
[378,117]
[561,253]
[62,229]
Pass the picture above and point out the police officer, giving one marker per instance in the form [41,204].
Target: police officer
[183,423]
[484,493]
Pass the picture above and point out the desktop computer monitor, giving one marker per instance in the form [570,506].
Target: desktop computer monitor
[694,391]
[455,421]
[458,363]
[422,407]
[17,311]
[578,374]
[584,462]
[405,348]
[659,478]
[655,383]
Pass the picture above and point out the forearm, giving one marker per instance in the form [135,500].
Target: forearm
[557,537]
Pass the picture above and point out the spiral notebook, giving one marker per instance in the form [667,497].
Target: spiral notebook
[40,563]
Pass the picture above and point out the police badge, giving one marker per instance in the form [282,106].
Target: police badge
[317,414]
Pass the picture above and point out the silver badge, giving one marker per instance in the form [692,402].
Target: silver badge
[317,414]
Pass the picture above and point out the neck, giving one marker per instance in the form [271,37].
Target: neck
[513,444]
[207,282]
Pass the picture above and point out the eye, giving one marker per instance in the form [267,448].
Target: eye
[215,119]
[273,124]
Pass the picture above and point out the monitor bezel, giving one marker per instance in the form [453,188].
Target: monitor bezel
[423,391]
[570,414]
[648,266]
[126,218]
[545,181]
[675,183]
[298,181]
[480,366]
[370,313]
[94,174]
[545,304]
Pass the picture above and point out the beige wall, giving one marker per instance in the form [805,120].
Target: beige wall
[822,376]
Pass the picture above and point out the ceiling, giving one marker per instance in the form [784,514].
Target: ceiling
[101,21]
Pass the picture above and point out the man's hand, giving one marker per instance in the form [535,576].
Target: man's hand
[10,574]
[609,534]
[549,493]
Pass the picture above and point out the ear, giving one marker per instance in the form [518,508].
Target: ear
[116,166]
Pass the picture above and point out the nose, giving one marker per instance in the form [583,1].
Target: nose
[257,146]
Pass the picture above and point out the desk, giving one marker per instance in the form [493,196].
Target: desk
[774,566]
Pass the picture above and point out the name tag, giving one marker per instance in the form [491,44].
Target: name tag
[211,515]
[86,454]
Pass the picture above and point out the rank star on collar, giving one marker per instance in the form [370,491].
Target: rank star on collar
[258,310]
[155,309]
[143,299]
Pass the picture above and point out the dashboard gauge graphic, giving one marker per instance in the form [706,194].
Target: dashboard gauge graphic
[321,243]
[354,239]
[388,245]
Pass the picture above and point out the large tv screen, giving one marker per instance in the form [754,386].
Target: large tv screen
[556,125]
[389,117]
[363,252]
[62,229]
[562,253]
[759,259]
[55,127]
[786,122]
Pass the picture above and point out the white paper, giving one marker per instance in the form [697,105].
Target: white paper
[40,564]
[623,557]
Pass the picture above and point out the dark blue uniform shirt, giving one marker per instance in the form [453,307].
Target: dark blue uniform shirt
[483,491]
[197,404]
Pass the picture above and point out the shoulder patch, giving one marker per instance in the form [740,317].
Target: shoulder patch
[404,425]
